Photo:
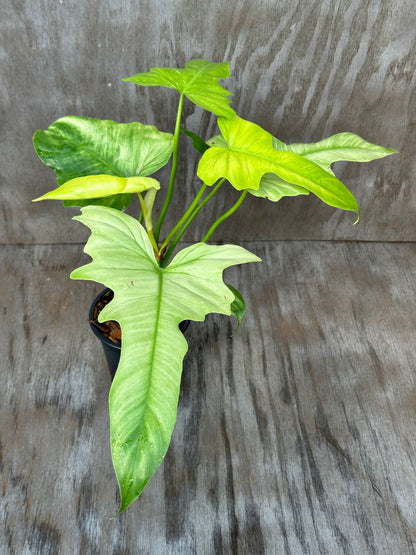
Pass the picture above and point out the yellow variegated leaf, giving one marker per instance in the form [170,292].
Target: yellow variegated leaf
[97,186]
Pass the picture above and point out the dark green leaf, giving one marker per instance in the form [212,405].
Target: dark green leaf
[199,144]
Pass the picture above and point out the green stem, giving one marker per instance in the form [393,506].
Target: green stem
[170,250]
[173,170]
[184,217]
[224,217]
[149,231]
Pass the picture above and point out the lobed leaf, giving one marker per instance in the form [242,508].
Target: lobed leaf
[198,81]
[340,147]
[149,303]
[77,146]
[246,154]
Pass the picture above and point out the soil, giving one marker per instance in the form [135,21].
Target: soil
[109,329]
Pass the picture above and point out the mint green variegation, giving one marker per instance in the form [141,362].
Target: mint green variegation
[149,303]
[96,186]
[77,146]
[198,82]
[247,154]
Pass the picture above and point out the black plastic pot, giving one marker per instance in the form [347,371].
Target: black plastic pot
[112,350]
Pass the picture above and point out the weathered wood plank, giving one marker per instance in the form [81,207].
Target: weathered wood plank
[303,70]
[296,435]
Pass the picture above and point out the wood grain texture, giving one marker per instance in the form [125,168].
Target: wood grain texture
[302,69]
[295,435]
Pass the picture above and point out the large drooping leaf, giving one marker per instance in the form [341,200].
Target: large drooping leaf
[96,186]
[149,303]
[198,82]
[248,154]
[340,147]
[77,146]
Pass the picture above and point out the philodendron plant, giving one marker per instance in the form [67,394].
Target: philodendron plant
[100,165]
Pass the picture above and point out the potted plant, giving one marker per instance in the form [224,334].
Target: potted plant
[100,165]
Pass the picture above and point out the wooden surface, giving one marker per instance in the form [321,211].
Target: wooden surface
[297,435]
[303,69]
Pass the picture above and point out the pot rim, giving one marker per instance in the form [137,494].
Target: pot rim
[94,328]
[183,325]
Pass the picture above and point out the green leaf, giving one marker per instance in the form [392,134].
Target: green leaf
[218,140]
[149,303]
[340,147]
[199,144]
[76,147]
[238,306]
[97,186]
[271,185]
[274,188]
[198,82]
[249,155]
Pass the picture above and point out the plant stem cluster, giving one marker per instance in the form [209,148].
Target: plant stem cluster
[164,252]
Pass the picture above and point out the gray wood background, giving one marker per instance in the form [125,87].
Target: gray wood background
[302,69]
[296,435]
